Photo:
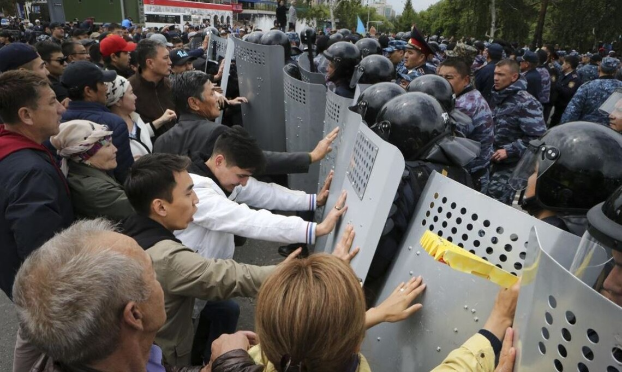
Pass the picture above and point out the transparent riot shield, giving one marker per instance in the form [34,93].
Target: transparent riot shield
[305,71]
[369,169]
[561,323]
[260,76]
[303,126]
[455,305]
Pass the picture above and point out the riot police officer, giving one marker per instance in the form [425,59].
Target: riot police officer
[373,69]
[278,37]
[418,126]
[567,171]
[368,46]
[395,52]
[342,59]
[372,99]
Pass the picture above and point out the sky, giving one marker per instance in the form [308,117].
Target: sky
[419,5]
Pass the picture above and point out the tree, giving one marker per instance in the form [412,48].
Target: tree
[408,18]
[8,7]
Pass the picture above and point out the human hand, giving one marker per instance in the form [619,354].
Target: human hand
[499,155]
[508,353]
[326,226]
[404,83]
[205,44]
[322,196]
[292,256]
[222,101]
[342,249]
[502,315]
[221,68]
[168,115]
[396,306]
[228,342]
[65,102]
[237,101]
[323,147]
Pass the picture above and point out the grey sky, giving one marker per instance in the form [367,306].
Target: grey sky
[419,5]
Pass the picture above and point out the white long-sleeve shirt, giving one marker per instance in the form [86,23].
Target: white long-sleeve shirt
[219,217]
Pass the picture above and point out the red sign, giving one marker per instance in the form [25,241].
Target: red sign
[237,8]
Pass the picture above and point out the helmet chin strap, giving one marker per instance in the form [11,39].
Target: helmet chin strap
[529,205]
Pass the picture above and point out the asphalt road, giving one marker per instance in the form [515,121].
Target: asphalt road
[253,252]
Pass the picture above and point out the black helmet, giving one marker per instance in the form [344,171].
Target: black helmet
[255,37]
[345,32]
[369,46]
[437,87]
[413,122]
[577,165]
[373,69]
[605,220]
[293,71]
[373,98]
[345,56]
[307,36]
[278,37]
[336,36]
[399,35]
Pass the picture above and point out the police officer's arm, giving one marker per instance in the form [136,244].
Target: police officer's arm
[574,109]
[531,122]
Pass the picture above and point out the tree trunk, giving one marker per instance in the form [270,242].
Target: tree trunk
[493,19]
[331,7]
[537,37]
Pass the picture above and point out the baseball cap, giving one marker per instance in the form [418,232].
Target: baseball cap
[82,73]
[161,38]
[113,44]
[529,56]
[55,24]
[495,51]
[15,55]
[395,45]
[179,57]
[609,64]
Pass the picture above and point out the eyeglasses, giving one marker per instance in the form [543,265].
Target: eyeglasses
[85,52]
[59,60]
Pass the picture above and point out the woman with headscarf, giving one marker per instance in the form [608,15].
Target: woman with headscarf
[88,155]
[121,100]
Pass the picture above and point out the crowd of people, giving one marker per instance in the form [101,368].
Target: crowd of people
[110,148]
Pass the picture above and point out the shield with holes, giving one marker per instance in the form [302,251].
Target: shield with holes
[217,47]
[369,170]
[455,304]
[260,76]
[305,71]
[561,323]
[303,126]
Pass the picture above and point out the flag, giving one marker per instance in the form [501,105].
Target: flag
[360,29]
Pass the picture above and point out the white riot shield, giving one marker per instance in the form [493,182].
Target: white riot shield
[369,169]
[303,126]
[217,47]
[305,71]
[561,323]
[260,76]
[455,304]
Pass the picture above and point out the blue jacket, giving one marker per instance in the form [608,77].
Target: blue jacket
[518,119]
[534,83]
[585,103]
[98,113]
[485,79]
[471,103]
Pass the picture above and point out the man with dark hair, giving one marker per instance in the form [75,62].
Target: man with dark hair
[79,34]
[484,77]
[19,56]
[115,29]
[87,91]
[161,192]
[177,43]
[56,62]
[58,32]
[518,120]
[35,198]
[151,84]
[566,87]
[116,54]
[75,51]
[528,64]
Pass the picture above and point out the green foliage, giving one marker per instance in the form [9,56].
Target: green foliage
[8,6]
[408,17]
[319,13]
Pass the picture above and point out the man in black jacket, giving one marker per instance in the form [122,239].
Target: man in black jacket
[281,16]
[484,77]
[197,105]
[35,196]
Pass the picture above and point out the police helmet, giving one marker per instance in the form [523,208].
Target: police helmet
[255,37]
[344,56]
[336,36]
[278,37]
[412,122]
[345,32]
[437,87]
[212,30]
[293,71]
[308,36]
[399,35]
[373,98]
[369,46]
[573,167]
[373,69]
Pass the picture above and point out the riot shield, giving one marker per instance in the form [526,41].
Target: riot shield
[223,48]
[260,76]
[561,323]
[455,305]
[305,71]
[369,169]
[217,47]
[303,127]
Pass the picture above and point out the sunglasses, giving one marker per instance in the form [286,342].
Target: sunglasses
[59,60]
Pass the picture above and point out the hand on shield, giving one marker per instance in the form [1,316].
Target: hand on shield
[342,249]
[323,147]
[502,315]
[508,353]
[322,196]
[326,226]
[237,101]
[397,306]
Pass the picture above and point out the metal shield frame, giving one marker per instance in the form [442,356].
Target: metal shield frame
[224,81]
[370,171]
[305,71]
[455,304]
[303,126]
[562,324]
[260,75]
[221,45]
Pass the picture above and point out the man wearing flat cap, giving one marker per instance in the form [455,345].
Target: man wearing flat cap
[415,57]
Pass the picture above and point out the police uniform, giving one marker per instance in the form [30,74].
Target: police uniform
[588,73]
[565,89]
[417,42]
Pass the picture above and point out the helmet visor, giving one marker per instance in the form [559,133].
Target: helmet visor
[536,160]
[612,104]
[600,267]
[356,76]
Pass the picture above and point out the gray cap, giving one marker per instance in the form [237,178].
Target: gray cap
[609,65]
[161,38]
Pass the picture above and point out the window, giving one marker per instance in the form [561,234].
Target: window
[162,18]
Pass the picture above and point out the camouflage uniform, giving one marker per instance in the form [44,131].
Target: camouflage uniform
[588,73]
[401,69]
[479,62]
[518,119]
[472,103]
[424,69]
[585,103]
[545,93]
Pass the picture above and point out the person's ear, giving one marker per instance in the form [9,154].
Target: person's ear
[133,316]
[192,104]
[25,115]
[158,207]
[219,160]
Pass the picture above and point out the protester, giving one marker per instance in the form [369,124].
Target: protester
[88,155]
[181,61]
[76,51]
[18,56]
[55,63]
[116,54]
